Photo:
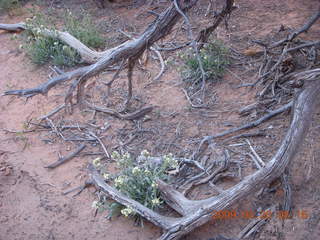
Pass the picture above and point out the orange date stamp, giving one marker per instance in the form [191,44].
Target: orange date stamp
[268,214]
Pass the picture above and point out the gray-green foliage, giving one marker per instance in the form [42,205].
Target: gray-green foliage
[137,180]
[42,48]
[214,57]
[6,5]
[84,29]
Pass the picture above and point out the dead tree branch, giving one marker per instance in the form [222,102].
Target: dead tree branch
[66,158]
[88,55]
[197,212]
[205,33]
[128,116]
[128,50]
[296,33]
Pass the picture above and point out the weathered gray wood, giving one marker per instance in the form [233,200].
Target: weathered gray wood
[88,55]
[198,212]
[129,50]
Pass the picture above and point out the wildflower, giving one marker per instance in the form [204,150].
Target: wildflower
[174,163]
[136,170]
[96,162]
[106,176]
[155,201]
[147,172]
[55,43]
[127,211]
[170,161]
[145,153]
[154,185]
[126,156]
[119,181]
[95,204]
[115,155]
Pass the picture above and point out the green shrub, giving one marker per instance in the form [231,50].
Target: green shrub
[6,5]
[137,180]
[84,29]
[42,49]
[214,57]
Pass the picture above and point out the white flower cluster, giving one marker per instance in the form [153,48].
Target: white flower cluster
[136,170]
[154,185]
[96,204]
[170,161]
[119,181]
[115,155]
[127,211]
[96,162]
[106,176]
[145,153]
[155,201]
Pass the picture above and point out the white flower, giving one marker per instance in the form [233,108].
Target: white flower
[127,211]
[136,170]
[115,155]
[95,204]
[154,185]
[155,201]
[119,181]
[55,43]
[170,161]
[126,156]
[174,163]
[96,162]
[145,153]
[106,176]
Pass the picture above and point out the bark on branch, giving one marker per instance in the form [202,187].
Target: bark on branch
[197,212]
[128,50]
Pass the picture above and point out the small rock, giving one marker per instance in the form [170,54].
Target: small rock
[7,171]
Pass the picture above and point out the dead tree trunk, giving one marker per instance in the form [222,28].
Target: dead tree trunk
[197,212]
[193,213]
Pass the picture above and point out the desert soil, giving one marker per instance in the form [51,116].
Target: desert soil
[31,202]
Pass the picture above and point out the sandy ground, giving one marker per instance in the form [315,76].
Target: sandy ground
[31,202]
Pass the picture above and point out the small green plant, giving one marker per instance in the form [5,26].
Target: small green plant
[7,5]
[84,29]
[136,179]
[214,57]
[43,48]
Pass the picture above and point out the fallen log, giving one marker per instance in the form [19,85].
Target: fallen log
[197,212]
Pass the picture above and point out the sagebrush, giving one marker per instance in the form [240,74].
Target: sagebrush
[214,57]
[136,178]
[43,49]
